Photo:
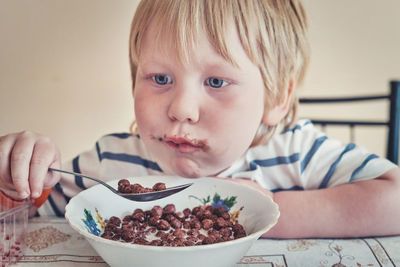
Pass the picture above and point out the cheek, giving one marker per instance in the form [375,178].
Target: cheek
[138,110]
[248,112]
[237,127]
[245,124]
[144,112]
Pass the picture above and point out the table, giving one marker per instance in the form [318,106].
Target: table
[52,242]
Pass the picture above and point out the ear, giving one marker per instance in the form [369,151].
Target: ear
[275,114]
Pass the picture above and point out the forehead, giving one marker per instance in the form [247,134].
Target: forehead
[160,45]
[178,26]
[185,46]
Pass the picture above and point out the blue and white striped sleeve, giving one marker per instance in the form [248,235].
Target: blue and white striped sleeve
[303,157]
[326,162]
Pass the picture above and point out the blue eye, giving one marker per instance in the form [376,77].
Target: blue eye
[162,79]
[216,83]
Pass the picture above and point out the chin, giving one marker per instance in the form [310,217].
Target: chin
[186,167]
[182,167]
[188,174]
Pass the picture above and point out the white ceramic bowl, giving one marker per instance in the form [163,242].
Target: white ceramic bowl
[258,215]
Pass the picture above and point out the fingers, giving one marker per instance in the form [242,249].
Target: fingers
[20,159]
[6,144]
[24,161]
[253,184]
[52,177]
[44,155]
[11,193]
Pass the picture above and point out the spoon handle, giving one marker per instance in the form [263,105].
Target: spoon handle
[84,176]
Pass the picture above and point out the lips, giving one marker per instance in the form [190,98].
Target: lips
[184,144]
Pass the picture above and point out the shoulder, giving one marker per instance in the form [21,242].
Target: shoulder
[119,142]
[115,147]
[277,163]
[127,149]
[119,137]
[298,139]
[303,130]
[287,145]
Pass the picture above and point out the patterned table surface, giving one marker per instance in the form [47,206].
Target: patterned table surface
[52,242]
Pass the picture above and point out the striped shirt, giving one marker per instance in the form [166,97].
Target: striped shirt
[299,158]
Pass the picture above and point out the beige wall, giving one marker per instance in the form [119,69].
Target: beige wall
[64,69]
[64,63]
[355,50]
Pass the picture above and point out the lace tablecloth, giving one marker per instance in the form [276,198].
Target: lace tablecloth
[52,242]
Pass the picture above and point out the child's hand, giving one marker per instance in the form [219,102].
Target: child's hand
[24,162]
[252,184]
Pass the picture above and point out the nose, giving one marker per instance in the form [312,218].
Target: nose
[184,106]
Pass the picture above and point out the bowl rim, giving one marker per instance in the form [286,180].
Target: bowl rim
[119,243]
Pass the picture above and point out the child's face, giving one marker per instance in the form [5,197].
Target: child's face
[197,118]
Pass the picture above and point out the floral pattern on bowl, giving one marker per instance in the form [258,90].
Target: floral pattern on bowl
[91,224]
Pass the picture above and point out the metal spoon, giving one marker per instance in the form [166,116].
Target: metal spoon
[142,197]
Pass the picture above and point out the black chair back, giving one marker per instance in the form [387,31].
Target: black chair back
[393,123]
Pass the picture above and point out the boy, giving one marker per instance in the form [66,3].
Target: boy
[214,84]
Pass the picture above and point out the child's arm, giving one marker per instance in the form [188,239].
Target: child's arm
[364,208]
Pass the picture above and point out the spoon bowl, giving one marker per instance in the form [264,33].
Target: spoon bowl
[141,197]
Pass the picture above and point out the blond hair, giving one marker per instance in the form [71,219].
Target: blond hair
[273,33]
